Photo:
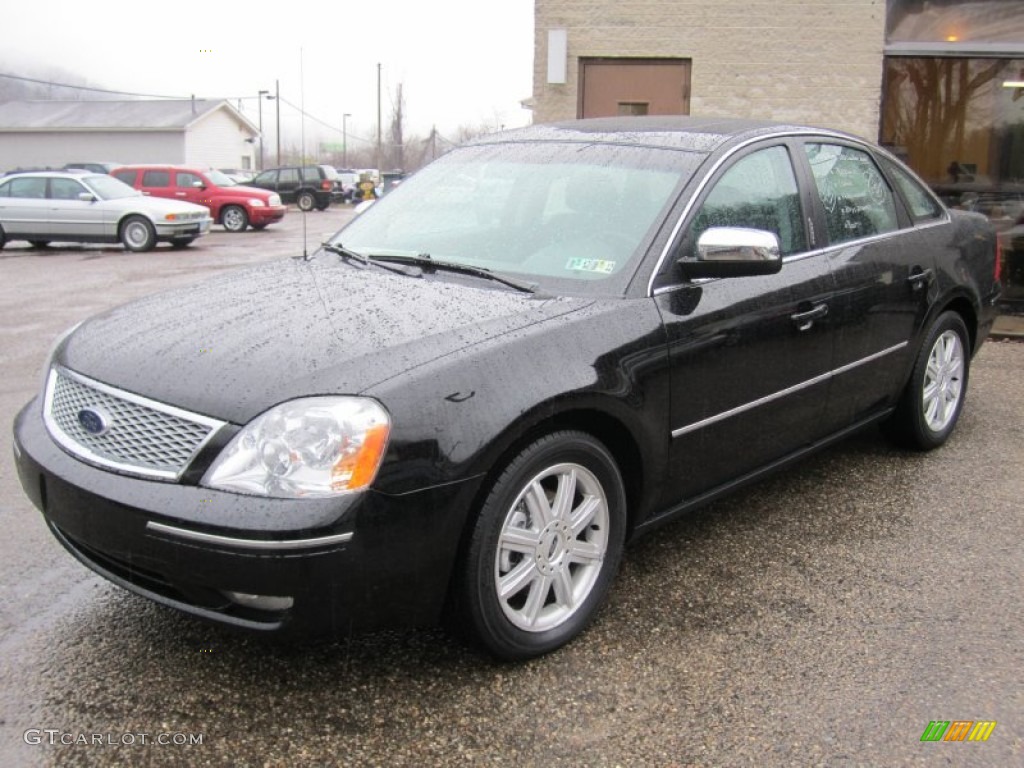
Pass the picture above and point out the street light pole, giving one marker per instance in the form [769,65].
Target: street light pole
[344,139]
[277,100]
[259,101]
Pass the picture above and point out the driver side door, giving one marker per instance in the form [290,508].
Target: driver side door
[749,356]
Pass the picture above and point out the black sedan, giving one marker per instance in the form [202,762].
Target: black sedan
[467,409]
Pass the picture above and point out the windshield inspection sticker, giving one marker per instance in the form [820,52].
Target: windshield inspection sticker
[592,265]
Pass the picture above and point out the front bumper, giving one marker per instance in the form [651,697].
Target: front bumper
[195,228]
[267,214]
[356,562]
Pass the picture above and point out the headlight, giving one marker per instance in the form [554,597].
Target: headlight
[312,447]
[256,203]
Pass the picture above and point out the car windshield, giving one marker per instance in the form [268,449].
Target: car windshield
[570,217]
[109,188]
[221,179]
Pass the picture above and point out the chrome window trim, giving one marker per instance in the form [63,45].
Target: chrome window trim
[784,392]
[80,451]
[823,134]
[256,544]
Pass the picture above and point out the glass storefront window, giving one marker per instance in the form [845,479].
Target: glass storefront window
[953,108]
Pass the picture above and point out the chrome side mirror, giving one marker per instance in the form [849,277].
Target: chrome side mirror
[734,252]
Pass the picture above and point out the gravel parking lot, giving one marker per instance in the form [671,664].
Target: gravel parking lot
[823,617]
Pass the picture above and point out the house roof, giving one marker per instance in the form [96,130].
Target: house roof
[162,115]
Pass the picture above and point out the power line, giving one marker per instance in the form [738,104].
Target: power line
[88,88]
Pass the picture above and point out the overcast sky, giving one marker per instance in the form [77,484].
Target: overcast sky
[461,62]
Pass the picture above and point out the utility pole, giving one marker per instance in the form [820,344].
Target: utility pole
[378,117]
[277,101]
[344,139]
[259,101]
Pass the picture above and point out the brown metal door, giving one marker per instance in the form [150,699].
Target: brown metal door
[610,87]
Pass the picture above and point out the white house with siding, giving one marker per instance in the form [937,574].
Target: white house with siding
[202,132]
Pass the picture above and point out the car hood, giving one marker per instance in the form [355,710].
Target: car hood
[245,189]
[156,206]
[235,345]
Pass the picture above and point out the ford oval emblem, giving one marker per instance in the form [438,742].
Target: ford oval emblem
[94,421]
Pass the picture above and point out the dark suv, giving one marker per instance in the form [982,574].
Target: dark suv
[308,186]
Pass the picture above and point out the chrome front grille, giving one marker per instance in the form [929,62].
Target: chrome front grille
[127,432]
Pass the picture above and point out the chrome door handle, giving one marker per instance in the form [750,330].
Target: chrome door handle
[804,320]
[919,280]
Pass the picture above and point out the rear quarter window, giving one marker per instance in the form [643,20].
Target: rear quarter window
[156,179]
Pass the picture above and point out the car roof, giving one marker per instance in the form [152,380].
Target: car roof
[75,173]
[695,134]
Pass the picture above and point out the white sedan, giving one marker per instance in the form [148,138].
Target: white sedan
[69,206]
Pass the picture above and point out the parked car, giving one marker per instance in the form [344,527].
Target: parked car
[92,167]
[348,181]
[233,205]
[468,409]
[237,175]
[309,186]
[85,207]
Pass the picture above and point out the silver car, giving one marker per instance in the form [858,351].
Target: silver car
[70,206]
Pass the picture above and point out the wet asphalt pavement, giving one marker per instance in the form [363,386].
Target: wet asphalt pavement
[823,617]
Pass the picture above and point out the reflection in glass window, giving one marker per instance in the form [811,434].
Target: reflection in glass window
[758,192]
[187,180]
[922,205]
[31,187]
[856,198]
[954,21]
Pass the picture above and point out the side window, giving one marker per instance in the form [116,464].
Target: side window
[289,176]
[757,192]
[857,200]
[65,189]
[269,178]
[128,177]
[32,188]
[311,175]
[922,205]
[156,179]
[186,180]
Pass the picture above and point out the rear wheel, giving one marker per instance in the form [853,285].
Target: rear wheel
[930,406]
[3,238]
[137,234]
[234,218]
[305,201]
[545,547]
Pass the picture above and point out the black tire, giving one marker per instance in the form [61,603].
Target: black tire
[558,570]
[3,238]
[258,227]
[933,398]
[39,243]
[234,218]
[182,242]
[322,206]
[305,201]
[137,234]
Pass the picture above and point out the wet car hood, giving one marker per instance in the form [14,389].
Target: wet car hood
[234,345]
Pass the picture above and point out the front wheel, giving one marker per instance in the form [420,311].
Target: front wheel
[545,547]
[137,234]
[930,405]
[39,243]
[234,219]
[305,201]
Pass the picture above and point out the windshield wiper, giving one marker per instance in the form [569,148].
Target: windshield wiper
[350,255]
[428,263]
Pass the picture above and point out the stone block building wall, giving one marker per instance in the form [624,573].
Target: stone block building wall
[807,61]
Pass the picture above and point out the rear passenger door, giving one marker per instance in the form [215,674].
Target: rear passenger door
[157,183]
[882,271]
